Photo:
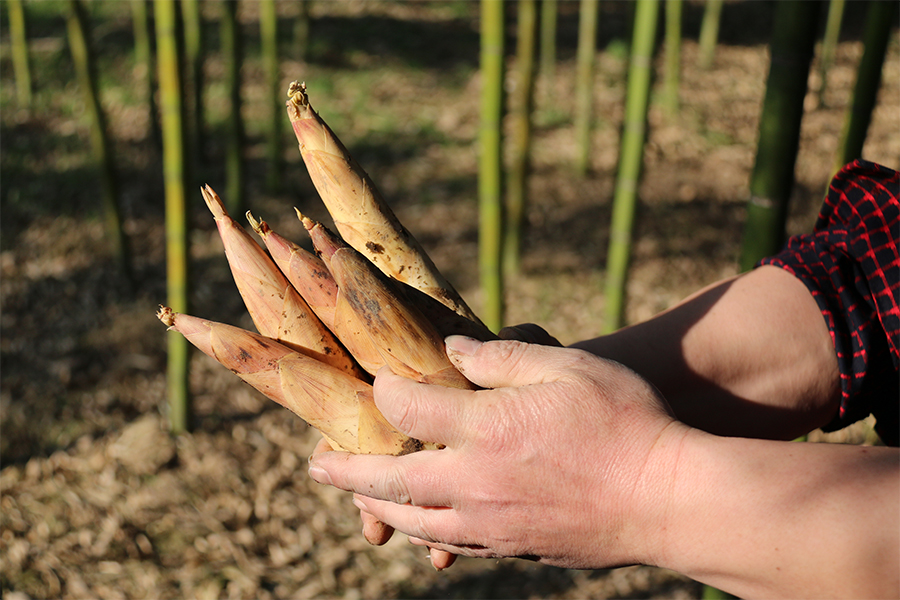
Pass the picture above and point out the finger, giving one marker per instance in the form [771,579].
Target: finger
[436,526]
[426,412]
[375,532]
[322,446]
[529,333]
[505,363]
[420,478]
[440,559]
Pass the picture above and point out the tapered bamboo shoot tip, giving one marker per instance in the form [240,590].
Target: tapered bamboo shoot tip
[298,107]
[297,93]
[213,202]
[307,222]
[166,315]
[260,227]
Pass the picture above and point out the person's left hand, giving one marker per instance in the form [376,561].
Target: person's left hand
[564,461]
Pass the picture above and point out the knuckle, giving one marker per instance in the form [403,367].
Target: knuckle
[395,488]
[425,529]
[406,415]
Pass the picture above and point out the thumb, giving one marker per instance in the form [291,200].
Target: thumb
[428,412]
[507,363]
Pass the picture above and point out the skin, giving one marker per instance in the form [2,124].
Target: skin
[623,450]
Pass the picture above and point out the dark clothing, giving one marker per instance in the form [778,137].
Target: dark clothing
[851,266]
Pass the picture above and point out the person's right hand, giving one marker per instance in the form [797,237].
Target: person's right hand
[561,458]
[376,532]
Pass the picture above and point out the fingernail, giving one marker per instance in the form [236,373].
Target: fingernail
[461,344]
[359,504]
[320,475]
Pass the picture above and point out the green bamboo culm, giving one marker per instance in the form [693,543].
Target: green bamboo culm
[193,80]
[85,69]
[548,51]
[829,44]
[144,65]
[268,31]
[234,145]
[521,103]
[588,16]
[673,58]
[175,176]
[879,22]
[709,32]
[772,178]
[18,38]
[490,163]
[630,159]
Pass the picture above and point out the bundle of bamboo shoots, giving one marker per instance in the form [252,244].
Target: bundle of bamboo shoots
[327,322]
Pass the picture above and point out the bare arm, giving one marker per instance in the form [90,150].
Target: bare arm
[749,356]
[780,519]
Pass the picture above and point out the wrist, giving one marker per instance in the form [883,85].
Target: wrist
[652,508]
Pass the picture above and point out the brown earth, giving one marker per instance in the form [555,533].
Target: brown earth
[98,501]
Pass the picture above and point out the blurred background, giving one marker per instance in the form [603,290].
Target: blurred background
[100,499]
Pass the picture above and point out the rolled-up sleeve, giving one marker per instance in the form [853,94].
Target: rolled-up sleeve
[851,266]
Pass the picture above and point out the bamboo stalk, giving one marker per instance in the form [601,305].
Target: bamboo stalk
[588,17]
[521,104]
[673,58]
[879,22]
[18,34]
[549,11]
[193,61]
[268,31]
[143,58]
[234,145]
[83,59]
[772,179]
[631,158]
[829,44]
[170,89]
[709,32]
[490,163]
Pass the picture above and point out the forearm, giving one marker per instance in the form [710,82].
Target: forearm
[779,519]
[750,356]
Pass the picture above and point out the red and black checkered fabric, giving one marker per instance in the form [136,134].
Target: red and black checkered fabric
[851,266]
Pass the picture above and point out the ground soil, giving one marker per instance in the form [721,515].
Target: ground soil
[98,500]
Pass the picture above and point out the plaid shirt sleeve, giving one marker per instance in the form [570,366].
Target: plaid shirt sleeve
[850,265]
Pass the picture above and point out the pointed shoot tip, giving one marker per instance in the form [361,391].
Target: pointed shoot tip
[213,202]
[166,315]
[259,227]
[307,222]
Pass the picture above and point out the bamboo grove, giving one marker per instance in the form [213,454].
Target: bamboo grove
[174,43]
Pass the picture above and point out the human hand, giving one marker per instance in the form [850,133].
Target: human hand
[564,461]
[376,532]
